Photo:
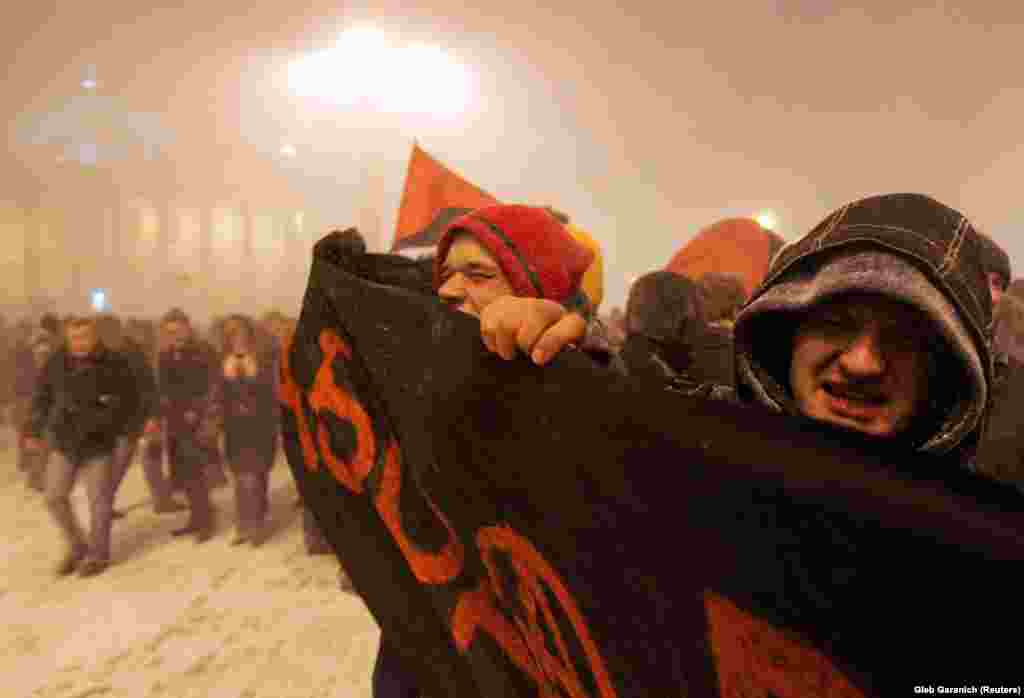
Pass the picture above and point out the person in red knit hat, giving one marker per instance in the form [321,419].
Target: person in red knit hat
[485,258]
[510,250]
[517,256]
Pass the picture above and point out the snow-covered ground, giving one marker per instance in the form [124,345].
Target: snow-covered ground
[171,618]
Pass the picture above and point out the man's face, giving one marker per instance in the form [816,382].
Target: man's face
[82,339]
[470,278]
[238,340]
[996,287]
[860,361]
[177,334]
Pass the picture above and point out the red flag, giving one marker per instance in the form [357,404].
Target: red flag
[430,190]
[739,245]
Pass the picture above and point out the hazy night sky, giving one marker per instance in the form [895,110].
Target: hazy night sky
[644,121]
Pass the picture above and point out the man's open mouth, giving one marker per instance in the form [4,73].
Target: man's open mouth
[847,393]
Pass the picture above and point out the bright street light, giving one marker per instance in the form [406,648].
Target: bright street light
[89,82]
[289,151]
[767,220]
[365,66]
[99,300]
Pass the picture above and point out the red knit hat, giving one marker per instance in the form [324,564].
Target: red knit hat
[539,257]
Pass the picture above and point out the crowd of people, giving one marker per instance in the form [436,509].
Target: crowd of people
[893,318]
[86,394]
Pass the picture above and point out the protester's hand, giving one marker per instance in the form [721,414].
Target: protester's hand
[34,444]
[152,427]
[537,327]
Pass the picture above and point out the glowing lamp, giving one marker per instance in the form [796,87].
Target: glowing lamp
[767,220]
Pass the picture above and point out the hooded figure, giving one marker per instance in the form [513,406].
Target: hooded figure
[915,254]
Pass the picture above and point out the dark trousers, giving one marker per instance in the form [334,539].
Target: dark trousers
[188,468]
[153,468]
[215,476]
[249,448]
[251,471]
[389,679]
[124,458]
[100,478]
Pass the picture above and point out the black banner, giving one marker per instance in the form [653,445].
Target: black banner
[564,531]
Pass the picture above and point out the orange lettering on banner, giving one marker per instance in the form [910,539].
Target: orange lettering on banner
[478,609]
[524,639]
[429,568]
[291,398]
[327,395]
[756,660]
[553,674]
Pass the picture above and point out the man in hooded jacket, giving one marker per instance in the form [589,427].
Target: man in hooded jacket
[876,322]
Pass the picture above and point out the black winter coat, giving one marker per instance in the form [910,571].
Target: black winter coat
[1001,453]
[85,405]
[145,380]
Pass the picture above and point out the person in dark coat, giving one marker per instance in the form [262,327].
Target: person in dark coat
[86,400]
[997,268]
[244,405]
[212,456]
[141,340]
[664,321]
[30,357]
[1001,454]
[723,295]
[113,335]
[185,371]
